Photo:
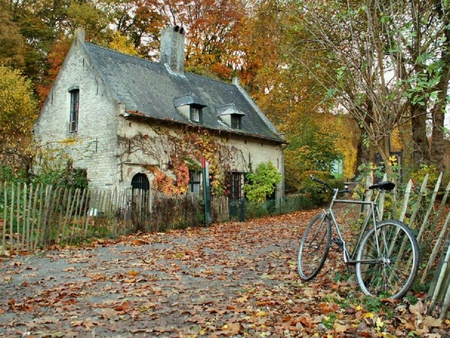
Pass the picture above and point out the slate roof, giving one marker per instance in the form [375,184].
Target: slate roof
[151,89]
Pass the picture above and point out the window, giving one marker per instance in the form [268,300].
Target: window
[194,181]
[237,181]
[74,110]
[196,114]
[236,121]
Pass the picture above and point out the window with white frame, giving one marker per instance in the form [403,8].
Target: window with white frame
[74,110]
[194,181]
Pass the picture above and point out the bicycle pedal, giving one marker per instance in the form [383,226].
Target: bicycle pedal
[338,242]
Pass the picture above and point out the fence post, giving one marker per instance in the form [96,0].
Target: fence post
[11,219]
[5,201]
[405,201]
[206,192]
[430,208]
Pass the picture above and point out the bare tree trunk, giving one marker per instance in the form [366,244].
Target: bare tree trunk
[363,156]
[421,144]
[438,113]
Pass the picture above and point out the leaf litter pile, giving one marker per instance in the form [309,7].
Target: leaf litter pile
[228,280]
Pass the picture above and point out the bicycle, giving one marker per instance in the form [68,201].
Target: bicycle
[385,256]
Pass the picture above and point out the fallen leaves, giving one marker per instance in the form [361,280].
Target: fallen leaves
[234,279]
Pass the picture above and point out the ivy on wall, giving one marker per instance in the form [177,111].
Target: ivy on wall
[176,152]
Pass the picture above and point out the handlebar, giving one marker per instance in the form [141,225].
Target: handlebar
[315,179]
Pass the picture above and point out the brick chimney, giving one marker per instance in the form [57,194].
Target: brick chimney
[172,48]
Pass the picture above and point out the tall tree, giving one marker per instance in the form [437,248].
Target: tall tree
[18,110]
[286,91]
[392,66]
[418,35]
[11,41]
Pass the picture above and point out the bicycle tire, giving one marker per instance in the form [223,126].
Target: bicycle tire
[394,265]
[314,247]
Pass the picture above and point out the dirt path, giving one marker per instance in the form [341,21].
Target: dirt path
[230,280]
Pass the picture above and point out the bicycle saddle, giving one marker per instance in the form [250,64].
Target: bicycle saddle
[388,186]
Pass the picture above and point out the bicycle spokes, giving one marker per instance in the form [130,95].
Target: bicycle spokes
[385,267]
[314,247]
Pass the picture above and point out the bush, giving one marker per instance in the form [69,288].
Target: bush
[419,175]
[262,182]
[315,192]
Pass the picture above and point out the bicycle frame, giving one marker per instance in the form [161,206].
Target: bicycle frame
[385,254]
[372,214]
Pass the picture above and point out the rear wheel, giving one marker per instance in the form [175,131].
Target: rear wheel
[387,260]
[314,247]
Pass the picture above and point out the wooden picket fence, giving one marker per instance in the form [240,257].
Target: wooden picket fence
[425,209]
[34,217]
[37,216]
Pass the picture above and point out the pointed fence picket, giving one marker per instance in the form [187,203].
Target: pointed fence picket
[38,216]
[418,212]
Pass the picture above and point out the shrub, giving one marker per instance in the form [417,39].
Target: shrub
[262,182]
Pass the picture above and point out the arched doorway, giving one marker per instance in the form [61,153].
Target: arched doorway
[140,181]
[140,198]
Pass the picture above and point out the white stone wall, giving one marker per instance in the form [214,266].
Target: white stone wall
[94,145]
[237,153]
[102,124]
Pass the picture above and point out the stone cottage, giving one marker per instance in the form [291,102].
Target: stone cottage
[129,122]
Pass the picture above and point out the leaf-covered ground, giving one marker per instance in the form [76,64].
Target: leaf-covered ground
[229,280]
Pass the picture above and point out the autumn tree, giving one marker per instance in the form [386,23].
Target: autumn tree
[286,91]
[212,32]
[11,42]
[391,66]
[17,114]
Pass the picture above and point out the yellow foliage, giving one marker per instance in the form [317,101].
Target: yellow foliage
[122,44]
[18,108]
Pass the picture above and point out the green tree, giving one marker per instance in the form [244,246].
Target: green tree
[18,108]
[262,182]
[311,148]
[18,111]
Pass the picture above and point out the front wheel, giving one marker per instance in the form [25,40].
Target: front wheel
[387,260]
[314,247]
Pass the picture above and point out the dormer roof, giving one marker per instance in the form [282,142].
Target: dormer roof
[149,89]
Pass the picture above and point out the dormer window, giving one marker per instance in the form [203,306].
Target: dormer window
[236,121]
[231,116]
[196,114]
[191,107]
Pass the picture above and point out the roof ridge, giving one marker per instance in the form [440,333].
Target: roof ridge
[121,53]
[142,59]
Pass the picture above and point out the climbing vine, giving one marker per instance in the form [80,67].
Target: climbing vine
[168,185]
[180,152]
